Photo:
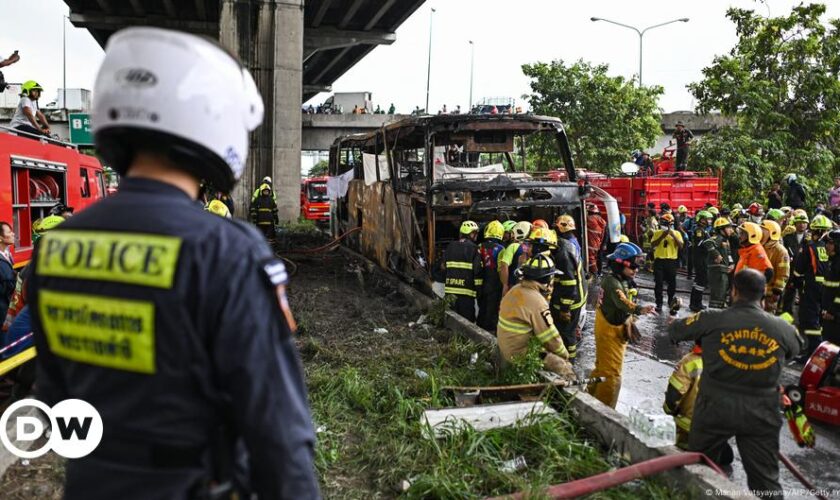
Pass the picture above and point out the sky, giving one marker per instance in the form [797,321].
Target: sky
[506,34]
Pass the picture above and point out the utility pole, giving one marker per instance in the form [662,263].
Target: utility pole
[429,67]
[641,34]
[472,67]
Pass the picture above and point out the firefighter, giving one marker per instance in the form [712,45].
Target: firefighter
[796,234]
[776,216]
[265,181]
[649,225]
[679,225]
[809,269]
[565,225]
[739,387]
[463,271]
[778,255]
[264,212]
[794,237]
[595,227]
[491,289]
[831,290]
[524,314]
[751,254]
[218,207]
[183,395]
[614,317]
[513,255]
[566,299]
[701,275]
[755,212]
[508,226]
[681,394]
[719,263]
[666,242]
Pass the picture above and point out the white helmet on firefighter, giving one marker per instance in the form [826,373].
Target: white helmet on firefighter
[178,94]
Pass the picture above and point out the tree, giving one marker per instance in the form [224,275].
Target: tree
[606,117]
[319,169]
[780,82]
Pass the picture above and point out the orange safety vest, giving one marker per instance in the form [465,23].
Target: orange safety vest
[753,257]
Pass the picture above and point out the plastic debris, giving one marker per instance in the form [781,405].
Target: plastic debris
[420,373]
[380,331]
[515,465]
[473,358]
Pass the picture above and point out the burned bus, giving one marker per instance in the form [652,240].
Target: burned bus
[403,190]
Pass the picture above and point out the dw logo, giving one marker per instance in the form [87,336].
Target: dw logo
[75,428]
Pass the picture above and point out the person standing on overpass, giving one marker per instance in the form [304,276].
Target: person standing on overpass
[184,343]
[744,350]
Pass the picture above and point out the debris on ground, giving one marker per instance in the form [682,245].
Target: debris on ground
[370,391]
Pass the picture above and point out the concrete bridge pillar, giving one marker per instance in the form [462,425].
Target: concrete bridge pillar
[267,36]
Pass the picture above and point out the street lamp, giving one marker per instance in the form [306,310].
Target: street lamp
[472,65]
[640,33]
[429,67]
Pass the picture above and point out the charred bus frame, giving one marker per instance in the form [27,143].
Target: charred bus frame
[414,181]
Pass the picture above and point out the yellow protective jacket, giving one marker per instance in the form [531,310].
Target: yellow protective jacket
[683,387]
[780,258]
[524,313]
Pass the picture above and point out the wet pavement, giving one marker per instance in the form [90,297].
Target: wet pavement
[648,366]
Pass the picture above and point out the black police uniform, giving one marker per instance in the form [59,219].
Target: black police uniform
[794,246]
[568,297]
[701,275]
[831,302]
[809,270]
[491,287]
[744,350]
[463,276]
[173,323]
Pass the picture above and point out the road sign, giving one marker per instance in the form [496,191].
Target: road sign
[80,129]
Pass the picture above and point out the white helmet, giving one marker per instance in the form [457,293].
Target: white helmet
[790,178]
[180,95]
[521,230]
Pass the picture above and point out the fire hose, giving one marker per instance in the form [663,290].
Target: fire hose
[798,475]
[600,482]
[327,246]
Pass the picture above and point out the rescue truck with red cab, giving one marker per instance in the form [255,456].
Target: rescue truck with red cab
[314,202]
[36,174]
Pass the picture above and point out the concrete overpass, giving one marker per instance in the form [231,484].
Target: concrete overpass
[319,131]
[294,49]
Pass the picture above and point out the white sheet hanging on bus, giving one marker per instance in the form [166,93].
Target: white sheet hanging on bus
[613,215]
[369,162]
[449,172]
[337,186]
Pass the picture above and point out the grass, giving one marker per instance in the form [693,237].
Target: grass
[371,443]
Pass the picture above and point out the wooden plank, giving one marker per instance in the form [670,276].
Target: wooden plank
[481,418]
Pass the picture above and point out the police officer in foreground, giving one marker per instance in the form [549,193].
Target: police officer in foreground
[130,313]
[744,350]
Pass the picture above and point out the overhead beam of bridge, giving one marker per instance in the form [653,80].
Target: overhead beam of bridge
[315,39]
[109,22]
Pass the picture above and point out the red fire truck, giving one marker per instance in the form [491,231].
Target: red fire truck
[314,202]
[35,175]
[633,192]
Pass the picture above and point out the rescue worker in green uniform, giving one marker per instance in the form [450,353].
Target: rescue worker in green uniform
[571,289]
[566,293]
[462,263]
[614,317]
[809,269]
[744,351]
[719,262]
[701,276]
[794,237]
[681,394]
[524,314]
[491,288]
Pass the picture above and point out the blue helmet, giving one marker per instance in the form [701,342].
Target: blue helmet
[625,252]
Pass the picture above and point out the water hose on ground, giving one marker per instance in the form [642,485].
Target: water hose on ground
[600,482]
[327,246]
[801,477]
